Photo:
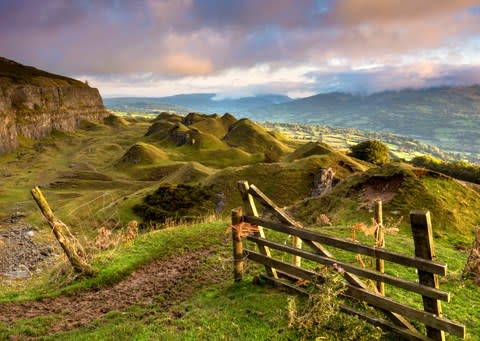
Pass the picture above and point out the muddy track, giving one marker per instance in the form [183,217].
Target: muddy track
[174,278]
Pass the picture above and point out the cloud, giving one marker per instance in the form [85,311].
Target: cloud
[353,12]
[183,64]
[177,39]
[377,79]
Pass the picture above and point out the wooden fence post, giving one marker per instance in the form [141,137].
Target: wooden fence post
[251,209]
[379,242]
[237,244]
[423,239]
[72,247]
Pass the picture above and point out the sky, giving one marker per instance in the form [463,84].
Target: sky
[247,47]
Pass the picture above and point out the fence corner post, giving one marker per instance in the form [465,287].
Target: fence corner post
[423,239]
[237,243]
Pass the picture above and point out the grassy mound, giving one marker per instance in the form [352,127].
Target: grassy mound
[193,118]
[187,173]
[181,135]
[174,118]
[160,130]
[283,182]
[216,125]
[309,149]
[115,121]
[196,139]
[401,188]
[143,153]
[253,138]
[228,119]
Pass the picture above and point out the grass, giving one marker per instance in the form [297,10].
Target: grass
[253,138]
[453,206]
[465,301]
[115,265]
[86,189]
[142,153]
[221,312]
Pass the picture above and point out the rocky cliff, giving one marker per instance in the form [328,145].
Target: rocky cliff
[34,102]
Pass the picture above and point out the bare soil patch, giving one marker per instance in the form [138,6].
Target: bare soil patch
[382,188]
[174,279]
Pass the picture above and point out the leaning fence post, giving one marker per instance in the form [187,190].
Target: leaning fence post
[423,239]
[379,242]
[237,244]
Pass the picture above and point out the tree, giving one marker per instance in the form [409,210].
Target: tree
[372,151]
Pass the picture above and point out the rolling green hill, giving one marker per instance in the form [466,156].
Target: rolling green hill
[252,138]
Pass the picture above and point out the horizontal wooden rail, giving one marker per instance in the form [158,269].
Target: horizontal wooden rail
[415,262]
[428,319]
[282,266]
[384,324]
[370,274]
[281,284]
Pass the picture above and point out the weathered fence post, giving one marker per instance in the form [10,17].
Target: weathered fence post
[423,239]
[72,247]
[379,242]
[237,244]
[251,209]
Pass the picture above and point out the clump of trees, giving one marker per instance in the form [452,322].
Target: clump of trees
[372,151]
[462,170]
[174,203]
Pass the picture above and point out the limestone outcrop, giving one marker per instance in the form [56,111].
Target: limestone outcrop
[35,102]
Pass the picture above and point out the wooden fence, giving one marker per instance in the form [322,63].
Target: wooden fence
[282,273]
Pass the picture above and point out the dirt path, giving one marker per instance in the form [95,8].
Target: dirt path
[175,278]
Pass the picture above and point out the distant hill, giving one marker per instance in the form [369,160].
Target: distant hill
[207,103]
[447,116]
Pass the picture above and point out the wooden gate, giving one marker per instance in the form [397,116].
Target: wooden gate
[282,273]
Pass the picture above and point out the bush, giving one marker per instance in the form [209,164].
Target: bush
[372,151]
[462,170]
[321,318]
[177,203]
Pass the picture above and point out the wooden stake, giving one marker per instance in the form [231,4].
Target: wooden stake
[237,244]
[379,242]
[73,249]
[423,239]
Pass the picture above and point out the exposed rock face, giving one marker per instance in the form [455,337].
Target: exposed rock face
[33,103]
[323,182]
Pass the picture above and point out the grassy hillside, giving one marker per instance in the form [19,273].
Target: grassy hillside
[88,188]
[402,188]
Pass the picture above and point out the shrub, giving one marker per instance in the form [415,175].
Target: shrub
[372,151]
[321,318]
[462,170]
[176,202]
